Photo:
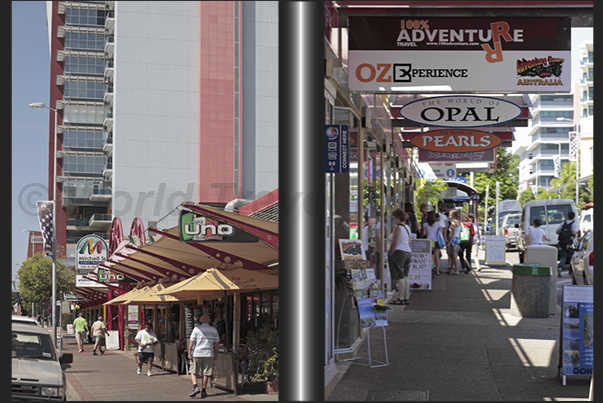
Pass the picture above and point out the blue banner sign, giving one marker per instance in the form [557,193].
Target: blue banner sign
[576,347]
[337,149]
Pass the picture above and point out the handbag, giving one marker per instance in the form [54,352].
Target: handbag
[440,238]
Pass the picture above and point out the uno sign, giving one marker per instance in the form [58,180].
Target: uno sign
[456,140]
[460,111]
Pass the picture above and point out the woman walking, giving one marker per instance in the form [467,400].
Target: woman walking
[454,240]
[431,226]
[399,256]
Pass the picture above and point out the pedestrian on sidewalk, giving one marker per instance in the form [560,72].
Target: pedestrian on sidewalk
[146,353]
[98,333]
[454,240]
[202,352]
[467,235]
[567,232]
[535,235]
[81,327]
[431,229]
[399,259]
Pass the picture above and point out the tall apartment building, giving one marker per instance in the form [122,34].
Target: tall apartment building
[160,102]
[554,117]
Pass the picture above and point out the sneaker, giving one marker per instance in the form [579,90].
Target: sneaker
[149,373]
[203,394]
[94,352]
[102,352]
[195,391]
[138,371]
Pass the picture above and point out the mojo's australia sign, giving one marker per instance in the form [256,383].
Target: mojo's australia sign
[194,227]
[518,54]
[459,111]
[91,251]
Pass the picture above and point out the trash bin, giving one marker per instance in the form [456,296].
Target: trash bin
[546,255]
[530,290]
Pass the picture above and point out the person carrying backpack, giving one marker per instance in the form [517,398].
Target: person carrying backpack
[467,235]
[566,233]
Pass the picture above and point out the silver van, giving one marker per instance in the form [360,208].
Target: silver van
[551,212]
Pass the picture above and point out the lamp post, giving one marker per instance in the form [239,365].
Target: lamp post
[54,227]
[574,137]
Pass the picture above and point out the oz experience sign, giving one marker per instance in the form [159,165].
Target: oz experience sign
[337,149]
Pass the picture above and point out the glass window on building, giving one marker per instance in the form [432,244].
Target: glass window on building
[84,41]
[80,16]
[85,89]
[84,65]
[84,114]
[84,164]
[74,138]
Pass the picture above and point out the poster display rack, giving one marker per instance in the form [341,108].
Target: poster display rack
[576,332]
[364,287]
[495,250]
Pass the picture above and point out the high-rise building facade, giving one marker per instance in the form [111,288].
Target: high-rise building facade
[160,102]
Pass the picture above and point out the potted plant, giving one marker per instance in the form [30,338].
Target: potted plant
[263,346]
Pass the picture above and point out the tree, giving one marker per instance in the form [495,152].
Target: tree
[507,174]
[526,196]
[428,192]
[35,279]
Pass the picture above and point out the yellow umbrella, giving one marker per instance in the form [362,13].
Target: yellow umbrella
[216,281]
[148,295]
[123,297]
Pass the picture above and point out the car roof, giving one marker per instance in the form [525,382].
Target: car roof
[29,329]
[17,318]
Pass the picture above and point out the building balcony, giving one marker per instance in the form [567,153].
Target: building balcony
[109,70]
[108,144]
[108,171]
[109,47]
[100,221]
[108,122]
[109,22]
[108,97]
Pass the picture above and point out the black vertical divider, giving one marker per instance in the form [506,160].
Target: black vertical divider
[301,201]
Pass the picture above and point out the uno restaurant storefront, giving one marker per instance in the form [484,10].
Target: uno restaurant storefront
[451,87]
[207,238]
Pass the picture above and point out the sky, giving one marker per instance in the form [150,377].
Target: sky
[30,83]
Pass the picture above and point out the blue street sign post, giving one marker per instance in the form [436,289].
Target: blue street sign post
[337,151]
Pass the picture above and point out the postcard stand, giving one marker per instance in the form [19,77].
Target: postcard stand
[370,360]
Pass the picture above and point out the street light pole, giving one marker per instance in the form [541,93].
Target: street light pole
[54,228]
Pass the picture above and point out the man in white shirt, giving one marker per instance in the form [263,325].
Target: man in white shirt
[202,351]
[146,353]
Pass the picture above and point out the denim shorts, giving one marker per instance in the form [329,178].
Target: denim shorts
[456,241]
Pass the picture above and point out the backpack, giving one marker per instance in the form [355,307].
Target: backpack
[565,234]
[466,233]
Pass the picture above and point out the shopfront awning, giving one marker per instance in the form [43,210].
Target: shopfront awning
[169,257]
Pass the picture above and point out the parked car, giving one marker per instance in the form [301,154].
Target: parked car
[509,229]
[586,221]
[24,320]
[36,367]
[551,212]
[582,260]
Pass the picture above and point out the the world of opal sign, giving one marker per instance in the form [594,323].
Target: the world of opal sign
[460,111]
[436,54]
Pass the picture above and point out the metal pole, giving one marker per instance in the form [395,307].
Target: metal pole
[486,211]
[54,238]
[497,197]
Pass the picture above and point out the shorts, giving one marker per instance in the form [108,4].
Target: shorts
[80,335]
[456,241]
[399,265]
[146,357]
[202,366]
[97,339]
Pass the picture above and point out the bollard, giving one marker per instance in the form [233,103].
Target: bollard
[530,290]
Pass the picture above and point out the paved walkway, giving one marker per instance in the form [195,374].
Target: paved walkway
[112,376]
[459,342]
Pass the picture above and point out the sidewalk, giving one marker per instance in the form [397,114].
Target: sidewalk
[112,376]
[459,342]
